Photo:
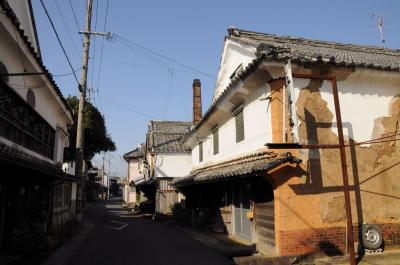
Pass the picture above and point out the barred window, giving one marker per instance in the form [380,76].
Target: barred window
[201,152]
[216,141]
[239,121]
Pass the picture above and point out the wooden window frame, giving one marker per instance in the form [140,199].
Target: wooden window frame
[239,118]
[201,152]
[215,133]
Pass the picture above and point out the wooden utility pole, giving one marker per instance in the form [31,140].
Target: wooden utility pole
[109,176]
[102,178]
[82,89]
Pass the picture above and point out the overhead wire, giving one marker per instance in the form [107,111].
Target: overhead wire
[146,55]
[101,57]
[60,43]
[94,49]
[132,64]
[76,20]
[128,108]
[122,166]
[61,75]
[171,72]
[164,57]
[66,27]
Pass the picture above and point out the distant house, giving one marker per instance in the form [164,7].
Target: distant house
[136,171]
[279,91]
[168,160]
[35,193]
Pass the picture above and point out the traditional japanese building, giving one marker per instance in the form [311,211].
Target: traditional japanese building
[35,193]
[167,160]
[270,157]
[136,171]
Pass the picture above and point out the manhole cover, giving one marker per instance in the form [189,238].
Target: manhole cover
[115,225]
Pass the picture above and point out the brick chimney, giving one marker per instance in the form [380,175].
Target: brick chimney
[197,112]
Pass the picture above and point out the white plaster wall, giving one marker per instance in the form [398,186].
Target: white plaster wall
[134,170]
[22,11]
[257,131]
[172,165]
[364,96]
[232,56]
[47,105]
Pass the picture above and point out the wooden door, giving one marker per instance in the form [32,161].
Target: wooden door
[241,204]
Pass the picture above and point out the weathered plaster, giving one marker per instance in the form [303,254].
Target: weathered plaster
[373,170]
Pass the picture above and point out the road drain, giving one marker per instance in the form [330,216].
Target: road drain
[115,225]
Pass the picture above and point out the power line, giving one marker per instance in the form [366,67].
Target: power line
[165,57]
[76,20]
[66,26]
[169,92]
[133,64]
[128,108]
[146,55]
[59,42]
[101,58]
[94,43]
[61,75]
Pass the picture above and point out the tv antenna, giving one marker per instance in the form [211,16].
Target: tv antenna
[379,23]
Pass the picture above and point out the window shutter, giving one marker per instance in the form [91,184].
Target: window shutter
[201,152]
[216,141]
[239,126]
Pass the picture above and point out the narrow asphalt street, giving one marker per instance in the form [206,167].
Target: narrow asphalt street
[117,238]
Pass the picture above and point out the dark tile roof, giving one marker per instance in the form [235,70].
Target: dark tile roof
[136,153]
[302,50]
[14,157]
[179,127]
[240,166]
[308,50]
[166,136]
[14,19]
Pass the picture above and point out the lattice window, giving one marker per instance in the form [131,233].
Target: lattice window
[22,125]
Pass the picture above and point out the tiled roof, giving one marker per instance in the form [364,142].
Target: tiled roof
[179,127]
[282,48]
[21,159]
[308,50]
[237,167]
[138,152]
[14,19]
[166,136]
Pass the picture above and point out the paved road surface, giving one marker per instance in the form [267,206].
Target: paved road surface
[140,242]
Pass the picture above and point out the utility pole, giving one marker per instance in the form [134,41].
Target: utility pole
[82,89]
[102,177]
[109,176]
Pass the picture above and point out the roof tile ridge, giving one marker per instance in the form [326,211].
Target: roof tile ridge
[247,157]
[316,42]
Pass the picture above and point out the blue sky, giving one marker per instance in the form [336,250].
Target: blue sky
[135,86]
